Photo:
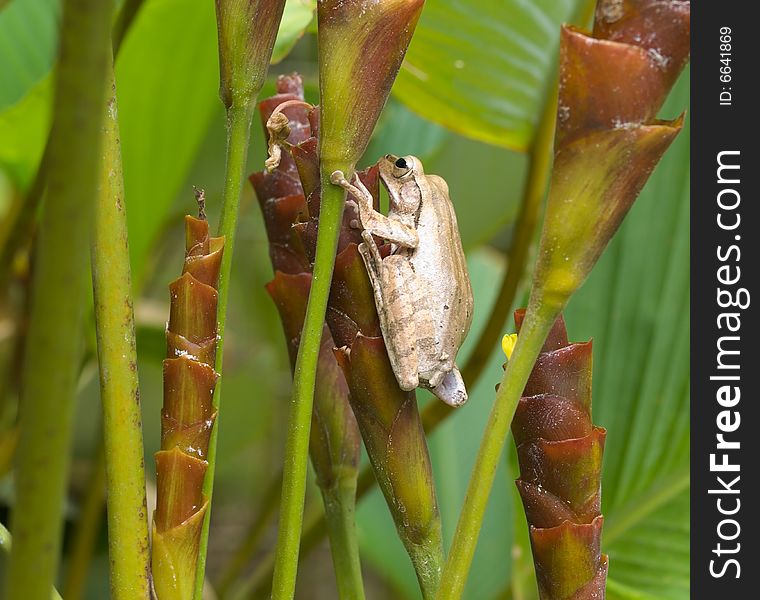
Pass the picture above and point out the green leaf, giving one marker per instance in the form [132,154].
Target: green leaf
[23,130]
[28,43]
[636,307]
[482,69]
[167,84]
[295,19]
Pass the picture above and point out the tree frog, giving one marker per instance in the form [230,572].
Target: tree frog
[422,289]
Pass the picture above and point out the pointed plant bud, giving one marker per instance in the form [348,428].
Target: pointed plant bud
[560,455]
[361,46]
[188,415]
[608,141]
[247,32]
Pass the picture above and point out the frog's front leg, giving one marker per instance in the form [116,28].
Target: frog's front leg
[374,222]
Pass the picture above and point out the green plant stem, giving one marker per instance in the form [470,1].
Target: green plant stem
[340,501]
[299,422]
[238,135]
[87,529]
[6,545]
[538,323]
[52,356]
[119,387]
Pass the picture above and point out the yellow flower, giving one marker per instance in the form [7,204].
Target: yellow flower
[508,343]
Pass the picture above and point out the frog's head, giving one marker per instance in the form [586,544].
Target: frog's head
[401,177]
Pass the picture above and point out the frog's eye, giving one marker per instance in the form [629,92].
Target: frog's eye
[401,166]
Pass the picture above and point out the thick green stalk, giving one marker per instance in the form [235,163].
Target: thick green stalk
[538,323]
[6,544]
[119,386]
[299,422]
[339,504]
[238,135]
[58,299]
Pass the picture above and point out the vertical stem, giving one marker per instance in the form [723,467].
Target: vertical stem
[58,299]
[119,386]
[299,422]
[238,135]
[340,504]
[536,327]
[6,544]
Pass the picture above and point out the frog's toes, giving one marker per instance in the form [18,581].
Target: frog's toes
[338,178]
[408,382]
[451,389]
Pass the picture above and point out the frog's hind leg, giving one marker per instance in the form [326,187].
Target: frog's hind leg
[451,389]
[374,263]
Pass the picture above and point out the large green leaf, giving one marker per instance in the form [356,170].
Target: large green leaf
[167,81]
[482,68]
[295,19]
[23,130]
[28,41]
[636,307]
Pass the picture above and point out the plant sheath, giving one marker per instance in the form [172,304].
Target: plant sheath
[52,357]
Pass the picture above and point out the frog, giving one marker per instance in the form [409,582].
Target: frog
[422,289]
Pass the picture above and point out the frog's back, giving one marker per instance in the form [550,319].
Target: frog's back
[440,262]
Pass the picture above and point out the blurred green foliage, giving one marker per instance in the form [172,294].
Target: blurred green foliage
[472,86]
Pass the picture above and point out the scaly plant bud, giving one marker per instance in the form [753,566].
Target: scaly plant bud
[188,414]
[361,46]
[612,84]
[560,455]
[247,32]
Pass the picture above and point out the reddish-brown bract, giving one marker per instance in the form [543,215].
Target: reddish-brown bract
[560,455]
[188,414]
